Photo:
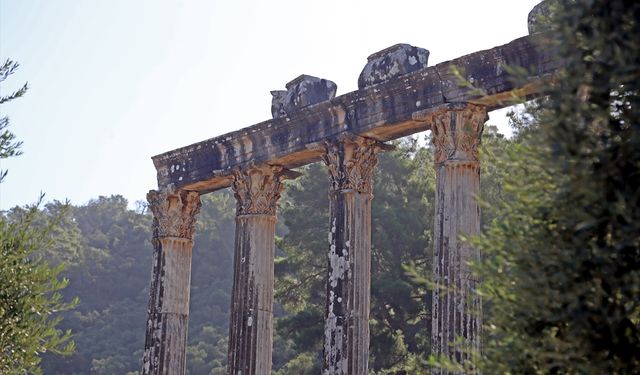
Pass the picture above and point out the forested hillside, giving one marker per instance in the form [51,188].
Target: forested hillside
[107,253]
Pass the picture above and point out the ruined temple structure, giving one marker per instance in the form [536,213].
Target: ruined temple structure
[398,95]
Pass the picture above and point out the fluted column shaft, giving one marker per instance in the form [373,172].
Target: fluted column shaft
[351,161]
[174,213]
[456,308]
[257,190]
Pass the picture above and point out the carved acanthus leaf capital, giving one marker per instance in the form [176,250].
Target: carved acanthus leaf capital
[174,212]
[456,131]
[351,161]
[258,188]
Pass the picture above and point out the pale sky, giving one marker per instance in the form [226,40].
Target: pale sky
[114,82]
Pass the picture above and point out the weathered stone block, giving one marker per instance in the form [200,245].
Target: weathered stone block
[394,61]
[540,16]
[301,92]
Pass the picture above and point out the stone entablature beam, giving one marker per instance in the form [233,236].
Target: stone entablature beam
[383,111]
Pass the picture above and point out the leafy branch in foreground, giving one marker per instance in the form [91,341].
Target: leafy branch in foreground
[30,298]
[8,145]
[561,265]
[8,68]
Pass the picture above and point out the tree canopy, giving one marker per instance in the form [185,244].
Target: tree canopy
[562,258]
[29,286]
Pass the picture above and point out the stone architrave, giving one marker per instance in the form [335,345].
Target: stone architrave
[456,309]
[257,190]
[351,161]
[174,218]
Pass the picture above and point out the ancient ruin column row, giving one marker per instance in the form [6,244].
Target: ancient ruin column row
[456,309]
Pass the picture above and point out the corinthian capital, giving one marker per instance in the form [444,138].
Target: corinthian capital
[351,161]
[257,188]
[174,212]
[456,131]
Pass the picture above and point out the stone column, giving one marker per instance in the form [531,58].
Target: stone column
[456,308]
[351,161]
[257,190]
[174,218]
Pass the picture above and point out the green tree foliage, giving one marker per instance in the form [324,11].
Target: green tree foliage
[8,144]
[30,297]
[562,257]
[108,267]
[107,249]
[212,279]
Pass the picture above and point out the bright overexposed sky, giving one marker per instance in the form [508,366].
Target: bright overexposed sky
[114,82]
